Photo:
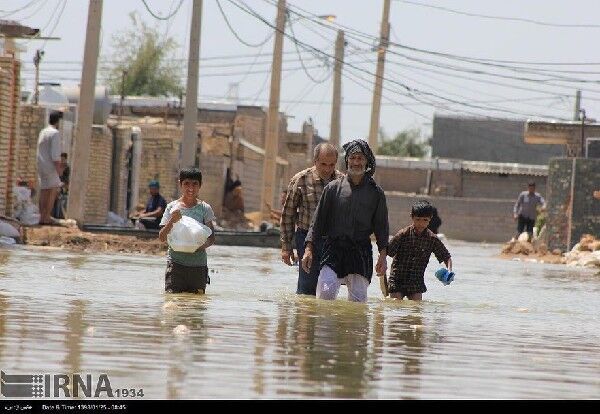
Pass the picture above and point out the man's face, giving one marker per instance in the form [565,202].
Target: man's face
[357,164]
[190,188]
[325,164]
[531,188]
[420,223]
[153,190]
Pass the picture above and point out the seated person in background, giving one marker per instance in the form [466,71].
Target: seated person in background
[155,208]
[276,214]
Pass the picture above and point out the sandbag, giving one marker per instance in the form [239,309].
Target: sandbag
[8,230]
[187,235]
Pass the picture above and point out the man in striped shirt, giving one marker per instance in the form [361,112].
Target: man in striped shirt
[304,192]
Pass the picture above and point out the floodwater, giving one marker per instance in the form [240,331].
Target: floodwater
[502,329]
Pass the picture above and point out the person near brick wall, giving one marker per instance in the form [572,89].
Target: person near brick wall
[155,207]
[410,249]
[187,272]
[49,166]
[301,199]
[525,209]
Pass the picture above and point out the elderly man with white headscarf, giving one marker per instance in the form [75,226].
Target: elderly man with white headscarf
[351,208]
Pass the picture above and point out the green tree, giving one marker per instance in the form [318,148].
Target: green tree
[407,143]
[146,56]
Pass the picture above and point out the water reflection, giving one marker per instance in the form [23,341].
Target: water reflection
[77,262]
[406,346]
[4,258]
[183,322]
[3,323]
[331,342]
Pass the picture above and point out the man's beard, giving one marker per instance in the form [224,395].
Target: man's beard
[356,171]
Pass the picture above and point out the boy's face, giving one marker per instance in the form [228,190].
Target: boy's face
[420,223]
[190,188]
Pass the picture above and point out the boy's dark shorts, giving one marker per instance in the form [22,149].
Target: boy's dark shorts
[180,278]
[407,285]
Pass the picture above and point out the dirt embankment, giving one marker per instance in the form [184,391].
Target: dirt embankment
[586,253]
[71,238]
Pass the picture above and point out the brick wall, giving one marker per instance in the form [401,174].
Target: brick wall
[572,209]
[160,160]
[97,195]
[213,181]
[32,121]
[119,170]
[251,172]
[470,219]
[9,130]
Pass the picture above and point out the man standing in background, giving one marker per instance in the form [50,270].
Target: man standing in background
[525,209]
[49,166]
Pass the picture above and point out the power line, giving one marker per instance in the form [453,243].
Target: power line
[412,92]
[55,23]
[160,17]
[36,11]
[302,62]
[11,12]
[515,19]
[238,37]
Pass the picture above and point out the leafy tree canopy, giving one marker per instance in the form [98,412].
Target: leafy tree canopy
[407,143]
[146,56]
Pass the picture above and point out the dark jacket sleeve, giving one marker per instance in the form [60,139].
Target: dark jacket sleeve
[380,222]
[441,253]
[321,215]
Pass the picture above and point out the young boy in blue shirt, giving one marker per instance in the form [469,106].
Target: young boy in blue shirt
[187,272]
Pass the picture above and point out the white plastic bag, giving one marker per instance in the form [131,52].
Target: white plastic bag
[8,230]
[24,210]
[187,235]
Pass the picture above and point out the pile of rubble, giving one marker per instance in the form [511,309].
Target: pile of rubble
[585,253]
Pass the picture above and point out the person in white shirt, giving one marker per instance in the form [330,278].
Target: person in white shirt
[49,166]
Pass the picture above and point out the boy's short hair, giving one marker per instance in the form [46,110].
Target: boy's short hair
[190,173]
[531,184]
[422,208]
[64,155]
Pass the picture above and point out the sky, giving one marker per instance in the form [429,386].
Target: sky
[495,58]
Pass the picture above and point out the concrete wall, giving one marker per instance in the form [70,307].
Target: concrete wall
[484,185]
[9,130]
[479,139]
[471,219]
[572,209]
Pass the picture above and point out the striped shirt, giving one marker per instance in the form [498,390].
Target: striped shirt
[304,192]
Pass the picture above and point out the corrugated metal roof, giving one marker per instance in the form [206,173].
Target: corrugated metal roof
[485,167]
[488,167]
[418,163]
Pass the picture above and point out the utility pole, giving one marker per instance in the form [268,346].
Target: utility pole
[81,146]
[123,76]
[334,134]
[376,108]
[577,105]
[36,62]
[190,135]
[272,138]
[582,111]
